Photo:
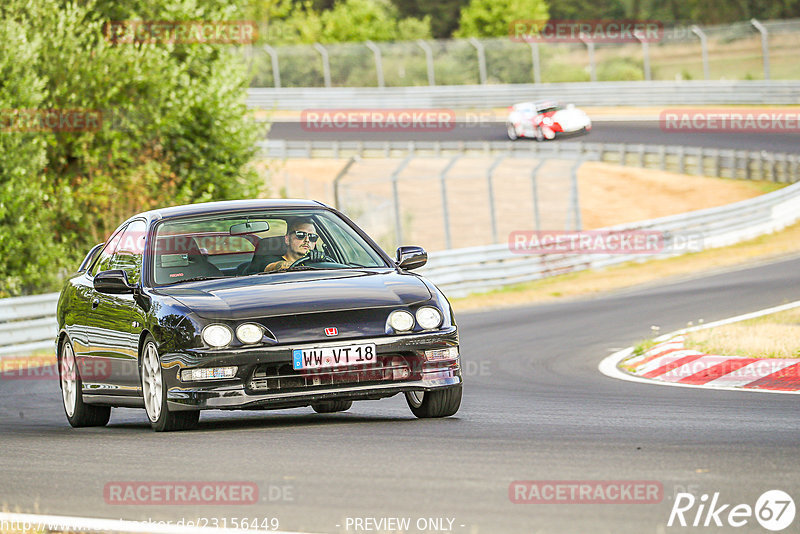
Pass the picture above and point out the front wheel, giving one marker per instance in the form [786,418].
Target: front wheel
[155,397]
[436,403]
[511,131]
[79,414]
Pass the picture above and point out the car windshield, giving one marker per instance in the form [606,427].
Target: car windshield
[257,242]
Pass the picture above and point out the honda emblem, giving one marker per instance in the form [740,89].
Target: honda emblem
[331,331]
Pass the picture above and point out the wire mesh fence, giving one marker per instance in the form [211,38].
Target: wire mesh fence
[741,51]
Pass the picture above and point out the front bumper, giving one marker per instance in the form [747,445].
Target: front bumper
[265,380]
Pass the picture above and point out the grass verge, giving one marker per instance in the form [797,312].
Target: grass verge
[770,336]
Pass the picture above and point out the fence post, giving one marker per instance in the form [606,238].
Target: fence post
[641,155]
[534,177]
[326,64]
[429,60]
[764,45]
[445,213]
[716,155]
[662,157]
[622,155]
[704,47]
[481,58]
[276,71]
[590,48]
[336,200]
[681,160]
[699,167]
[574,201]
[490,185]
[645,55]
[378,61]
[396,196]
[536,61]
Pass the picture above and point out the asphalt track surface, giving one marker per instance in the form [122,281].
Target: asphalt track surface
[633,132]
[535,407]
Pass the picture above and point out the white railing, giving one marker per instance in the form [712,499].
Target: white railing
[655,93]
[28,323]
[464,271]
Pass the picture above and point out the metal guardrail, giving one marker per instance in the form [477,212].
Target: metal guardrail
[725,163]
[654,93]
[28,323]
[460,272]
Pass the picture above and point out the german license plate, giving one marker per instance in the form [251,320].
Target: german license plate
[341,356]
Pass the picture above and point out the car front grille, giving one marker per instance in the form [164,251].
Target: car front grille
[282,377]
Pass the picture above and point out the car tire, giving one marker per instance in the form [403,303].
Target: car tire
[437,403]
[539,134]
[332,406]
[511,132]
[79,414]
[154,393]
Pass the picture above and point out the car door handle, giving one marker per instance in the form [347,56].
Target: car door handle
[95,303]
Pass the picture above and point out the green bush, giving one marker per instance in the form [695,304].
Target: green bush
[174,130]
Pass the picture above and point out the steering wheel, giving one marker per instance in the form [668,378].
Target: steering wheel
[301,261]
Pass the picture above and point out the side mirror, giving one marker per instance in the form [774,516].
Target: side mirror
[114,281]
[87,261]
[411,257]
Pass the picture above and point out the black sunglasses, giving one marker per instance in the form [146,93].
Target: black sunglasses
[302,235]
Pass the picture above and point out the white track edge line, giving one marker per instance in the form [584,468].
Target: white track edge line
[609,365]
[69,523]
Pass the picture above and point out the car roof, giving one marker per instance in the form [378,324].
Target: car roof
[226,206]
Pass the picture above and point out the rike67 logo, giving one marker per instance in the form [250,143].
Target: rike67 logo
[774,510]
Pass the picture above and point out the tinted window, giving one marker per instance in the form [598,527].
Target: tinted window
[104,261]
[129,251]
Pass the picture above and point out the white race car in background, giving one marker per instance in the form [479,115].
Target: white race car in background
[544,119]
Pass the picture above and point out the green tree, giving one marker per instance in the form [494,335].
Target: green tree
[174,130]
[587,10]
[26,258]
[492,18]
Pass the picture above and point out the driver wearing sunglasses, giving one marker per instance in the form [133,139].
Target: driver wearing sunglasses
[301,240]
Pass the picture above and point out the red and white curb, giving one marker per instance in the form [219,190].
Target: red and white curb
[670,363]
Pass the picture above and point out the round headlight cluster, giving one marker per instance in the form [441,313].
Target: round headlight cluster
[401,320]
[249,333]
[429,317]
[217,335]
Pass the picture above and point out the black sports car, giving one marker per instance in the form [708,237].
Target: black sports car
[252,304]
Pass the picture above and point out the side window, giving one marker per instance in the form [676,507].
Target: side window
[130,249]
[103,262]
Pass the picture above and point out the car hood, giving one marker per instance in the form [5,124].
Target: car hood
[282,294]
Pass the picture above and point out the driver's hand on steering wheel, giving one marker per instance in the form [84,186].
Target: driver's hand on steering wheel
[315,256]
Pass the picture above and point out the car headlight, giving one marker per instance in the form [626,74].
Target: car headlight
[249,333]
[429,317]
[217,335]
[401,320]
